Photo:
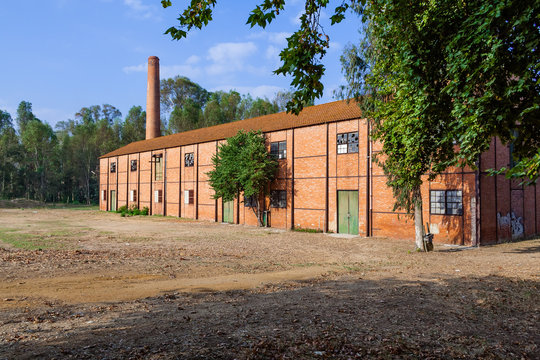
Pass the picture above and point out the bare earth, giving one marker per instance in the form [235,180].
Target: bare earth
[88,284]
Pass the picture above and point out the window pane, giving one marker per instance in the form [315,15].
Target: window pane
[353,137]
[342,149]
[278,198]
[437,203]
[353,148]
[342,138]
[188,160]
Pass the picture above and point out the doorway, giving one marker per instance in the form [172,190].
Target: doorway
[113,200]
[348,212]
[228,211]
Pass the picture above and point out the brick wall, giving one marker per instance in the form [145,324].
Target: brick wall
[494,208]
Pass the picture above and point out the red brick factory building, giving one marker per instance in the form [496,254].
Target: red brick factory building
[326,179]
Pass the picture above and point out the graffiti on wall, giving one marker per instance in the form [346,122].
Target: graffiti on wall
[512,222]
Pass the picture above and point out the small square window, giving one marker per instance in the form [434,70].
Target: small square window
[133,165]
[158,196]
[347,143]
[133,195]
[189,197]
[279,149]
[113,167]
[278,198]
[188,160]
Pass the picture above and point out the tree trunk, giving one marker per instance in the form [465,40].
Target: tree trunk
[418,220]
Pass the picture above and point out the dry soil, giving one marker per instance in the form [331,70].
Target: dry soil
[89,284]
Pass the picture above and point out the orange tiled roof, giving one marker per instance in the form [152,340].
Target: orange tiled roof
[312,115]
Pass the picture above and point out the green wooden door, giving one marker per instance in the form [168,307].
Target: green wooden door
[228,211]
[348,212]
[113,200]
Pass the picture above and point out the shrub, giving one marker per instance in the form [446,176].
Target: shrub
[145,211]
[122,209]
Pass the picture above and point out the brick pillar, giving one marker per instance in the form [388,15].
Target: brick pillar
[153,123]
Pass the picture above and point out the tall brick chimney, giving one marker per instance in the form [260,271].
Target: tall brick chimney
[153,122]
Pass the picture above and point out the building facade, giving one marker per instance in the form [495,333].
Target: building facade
[326,180]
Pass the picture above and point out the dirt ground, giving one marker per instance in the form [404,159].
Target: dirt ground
[88,284]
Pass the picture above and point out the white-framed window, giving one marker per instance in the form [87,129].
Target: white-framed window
[133,195]
[103,195]
[189,196]
[158,196]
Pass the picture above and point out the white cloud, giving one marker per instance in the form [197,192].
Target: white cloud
[139,10]
[193,59]
[231,51]
[272,53]
[277,38]
[335,46]
[134,68]
[229,57]
[296,20]
[262,91]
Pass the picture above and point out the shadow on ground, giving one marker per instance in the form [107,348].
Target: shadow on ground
[491,317]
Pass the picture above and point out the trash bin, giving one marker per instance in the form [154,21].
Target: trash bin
[428,242]
[266,218]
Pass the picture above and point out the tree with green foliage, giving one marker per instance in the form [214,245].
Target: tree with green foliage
[439,79]
[305,47]
[9,156]
[134,128]
[243,165]
[175,92]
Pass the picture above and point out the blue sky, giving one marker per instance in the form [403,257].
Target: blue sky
[62,55]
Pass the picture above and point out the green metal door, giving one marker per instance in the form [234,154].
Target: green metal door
[228,211]
[113,200]
[348,212]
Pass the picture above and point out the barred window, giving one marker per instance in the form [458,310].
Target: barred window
[188,160]
[279,149]
[446,202]
[113,167]
[347,143]
[133,165]
[250,201]
[278,198]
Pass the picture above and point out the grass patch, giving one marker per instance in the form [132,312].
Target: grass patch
[299,229]
[310,264]
[72,207]
[29,241]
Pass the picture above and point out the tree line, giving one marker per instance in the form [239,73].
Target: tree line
[61,165]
